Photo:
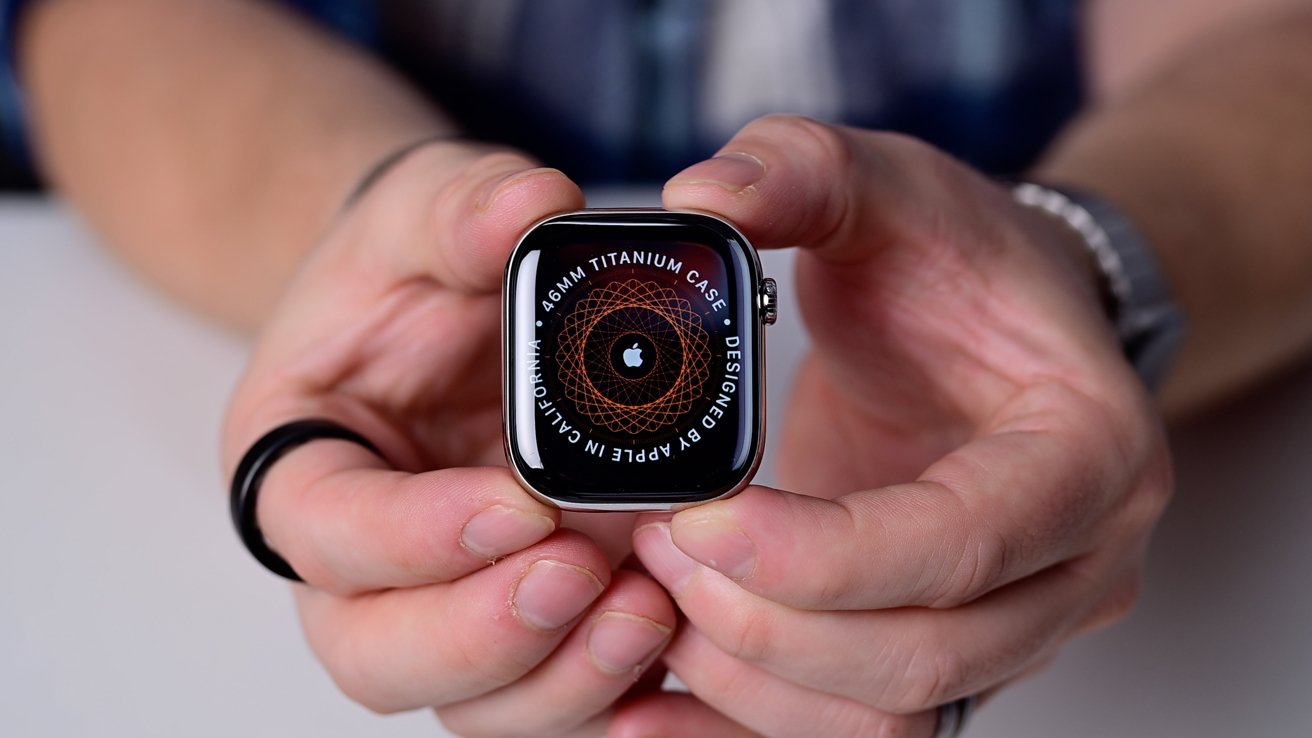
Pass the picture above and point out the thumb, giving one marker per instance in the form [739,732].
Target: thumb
[843,193]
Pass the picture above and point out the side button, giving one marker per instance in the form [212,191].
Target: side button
[769,300]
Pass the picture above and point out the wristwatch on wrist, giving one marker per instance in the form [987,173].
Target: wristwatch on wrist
[1148,321]
[633,359]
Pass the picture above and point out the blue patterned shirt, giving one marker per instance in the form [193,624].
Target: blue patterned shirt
[624,90]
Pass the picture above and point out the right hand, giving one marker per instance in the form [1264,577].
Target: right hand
[975,469]
[391,328]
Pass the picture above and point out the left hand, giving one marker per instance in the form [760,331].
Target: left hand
[390,328]
[977,469]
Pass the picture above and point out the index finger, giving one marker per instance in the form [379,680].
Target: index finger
[347,524]
[1030,494]
[469,209]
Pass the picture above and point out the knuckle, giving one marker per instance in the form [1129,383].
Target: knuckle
[835,584]
[849,718]
[921,161]
[481,171]
[492,165]
[414,549]
[820,153]
[981,568]
[940,506]
[977,562]
[751,636]
[909,149]
[933,676]
[829,142]
[914,160]
[829,588]
[501,160]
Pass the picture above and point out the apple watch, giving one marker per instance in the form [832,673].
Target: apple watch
[633,358]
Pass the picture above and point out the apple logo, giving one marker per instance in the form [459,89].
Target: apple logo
[633,357]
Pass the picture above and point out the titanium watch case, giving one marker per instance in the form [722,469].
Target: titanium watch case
[633,359]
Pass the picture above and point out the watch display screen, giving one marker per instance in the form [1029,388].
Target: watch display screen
[632,359]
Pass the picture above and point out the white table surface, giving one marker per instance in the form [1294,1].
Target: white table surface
[127,607]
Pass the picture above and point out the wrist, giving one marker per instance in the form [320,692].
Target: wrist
[1136,298]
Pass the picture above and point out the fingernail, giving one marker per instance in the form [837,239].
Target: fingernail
[671,567]
[620,642]
[732,171]
[501,530]
[552,594]
[719,544]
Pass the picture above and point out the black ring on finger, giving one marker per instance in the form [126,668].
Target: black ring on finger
[245,492]
[952,717]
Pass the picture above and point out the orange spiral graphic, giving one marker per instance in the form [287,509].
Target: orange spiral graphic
[681,365]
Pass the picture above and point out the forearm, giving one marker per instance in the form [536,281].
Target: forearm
[1213,160]
[208,141]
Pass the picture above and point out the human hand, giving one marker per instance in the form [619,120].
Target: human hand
[977,470]
[391,328]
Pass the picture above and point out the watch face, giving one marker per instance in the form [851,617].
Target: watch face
[633,359]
